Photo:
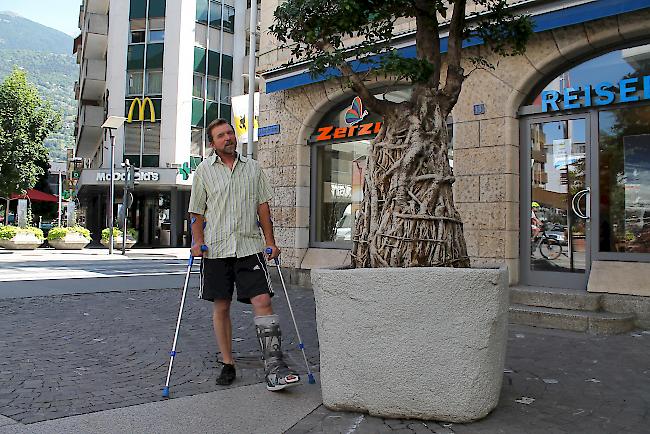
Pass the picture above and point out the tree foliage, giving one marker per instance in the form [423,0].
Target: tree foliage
[332,34]
[407,217]
[25,121]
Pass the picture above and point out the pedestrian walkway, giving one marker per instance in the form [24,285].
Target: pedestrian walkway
[91,254]
[98,363]
[246,409]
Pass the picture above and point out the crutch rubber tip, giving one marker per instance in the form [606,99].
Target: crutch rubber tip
[166,392]
[311,380]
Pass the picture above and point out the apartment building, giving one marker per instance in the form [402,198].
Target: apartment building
[169,67]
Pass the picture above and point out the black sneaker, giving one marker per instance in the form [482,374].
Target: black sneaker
[227,375]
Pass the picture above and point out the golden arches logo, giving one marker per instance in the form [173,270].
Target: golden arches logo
[142,105]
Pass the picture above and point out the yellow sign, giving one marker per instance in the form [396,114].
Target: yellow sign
[142,105]
[240,114]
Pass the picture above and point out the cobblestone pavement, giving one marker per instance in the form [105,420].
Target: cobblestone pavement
[576,383]
[66,355]
[74,354]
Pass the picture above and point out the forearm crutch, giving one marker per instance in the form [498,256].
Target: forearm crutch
[312,380]
[172,353]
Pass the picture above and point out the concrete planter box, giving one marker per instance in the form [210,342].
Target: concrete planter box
[425,343]
[71,241]
[117,242]
[21,241]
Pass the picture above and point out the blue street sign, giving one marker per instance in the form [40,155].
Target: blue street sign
[269,130]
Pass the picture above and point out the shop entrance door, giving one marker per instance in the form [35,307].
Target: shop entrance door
[555,201]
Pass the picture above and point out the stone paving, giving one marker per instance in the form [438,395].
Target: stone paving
[75,354]
[554,382]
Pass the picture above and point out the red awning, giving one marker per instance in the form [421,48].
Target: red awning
[36,196]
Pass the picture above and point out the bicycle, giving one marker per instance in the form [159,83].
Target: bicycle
[548,247]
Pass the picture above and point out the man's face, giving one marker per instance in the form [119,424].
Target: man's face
[224,140]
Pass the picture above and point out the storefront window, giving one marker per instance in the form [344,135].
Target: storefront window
[340,170]
[624,178]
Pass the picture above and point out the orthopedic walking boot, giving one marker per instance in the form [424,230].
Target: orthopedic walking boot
[278,375]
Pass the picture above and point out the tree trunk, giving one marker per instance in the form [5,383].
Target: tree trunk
[407,217]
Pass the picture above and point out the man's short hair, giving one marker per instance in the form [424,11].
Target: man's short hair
[215,123]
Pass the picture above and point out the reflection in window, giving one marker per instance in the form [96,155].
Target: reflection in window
[197,88]
[137,37]
[610,67]
[558,235]
[154,82]
[134,83]
[156,35]
[624,177]
[340,171]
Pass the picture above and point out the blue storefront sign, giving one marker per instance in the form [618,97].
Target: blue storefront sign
[603,93]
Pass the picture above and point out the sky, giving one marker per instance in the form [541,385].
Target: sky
[62,15]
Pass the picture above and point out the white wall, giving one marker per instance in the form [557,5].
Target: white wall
[176,111]
[118,35]
[239,48]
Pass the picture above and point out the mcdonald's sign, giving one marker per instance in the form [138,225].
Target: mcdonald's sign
[142,105]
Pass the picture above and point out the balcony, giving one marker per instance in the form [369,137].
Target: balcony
[96,6]
[92,80]
[95,36]
[89,130]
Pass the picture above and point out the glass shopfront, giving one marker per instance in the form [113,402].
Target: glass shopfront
[340,147]
[586,169]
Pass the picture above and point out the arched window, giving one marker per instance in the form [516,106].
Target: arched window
[621,75]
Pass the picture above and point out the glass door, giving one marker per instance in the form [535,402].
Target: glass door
[556,202]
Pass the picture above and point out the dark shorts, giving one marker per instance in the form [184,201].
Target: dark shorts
[220,275]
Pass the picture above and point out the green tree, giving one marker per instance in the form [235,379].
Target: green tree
[25,121]
[408,217]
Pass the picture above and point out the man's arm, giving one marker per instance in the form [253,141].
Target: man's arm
[264,215]
[196,227]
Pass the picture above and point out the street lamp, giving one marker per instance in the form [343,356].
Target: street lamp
[112,124]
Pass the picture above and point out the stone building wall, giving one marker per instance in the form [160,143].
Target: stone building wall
[486,147]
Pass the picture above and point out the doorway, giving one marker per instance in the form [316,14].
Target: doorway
[556,206]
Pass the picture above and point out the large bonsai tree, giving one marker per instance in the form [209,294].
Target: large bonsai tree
[407,217]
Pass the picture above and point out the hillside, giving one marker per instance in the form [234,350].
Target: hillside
[46,55]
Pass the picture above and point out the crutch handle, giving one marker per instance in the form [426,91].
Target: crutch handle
[268,251]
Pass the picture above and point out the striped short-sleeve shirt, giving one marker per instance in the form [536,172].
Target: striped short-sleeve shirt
[228,200]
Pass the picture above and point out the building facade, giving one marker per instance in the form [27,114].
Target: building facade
[565,126]
[169,68]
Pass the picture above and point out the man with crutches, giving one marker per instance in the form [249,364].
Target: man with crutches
[230,194]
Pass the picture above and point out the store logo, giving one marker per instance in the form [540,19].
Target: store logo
[142,105]
[139,176]
[330,132]
[604,93]
[356,112]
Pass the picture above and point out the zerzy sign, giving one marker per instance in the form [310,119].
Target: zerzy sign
[331,132]
[627,90]
[355,127]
